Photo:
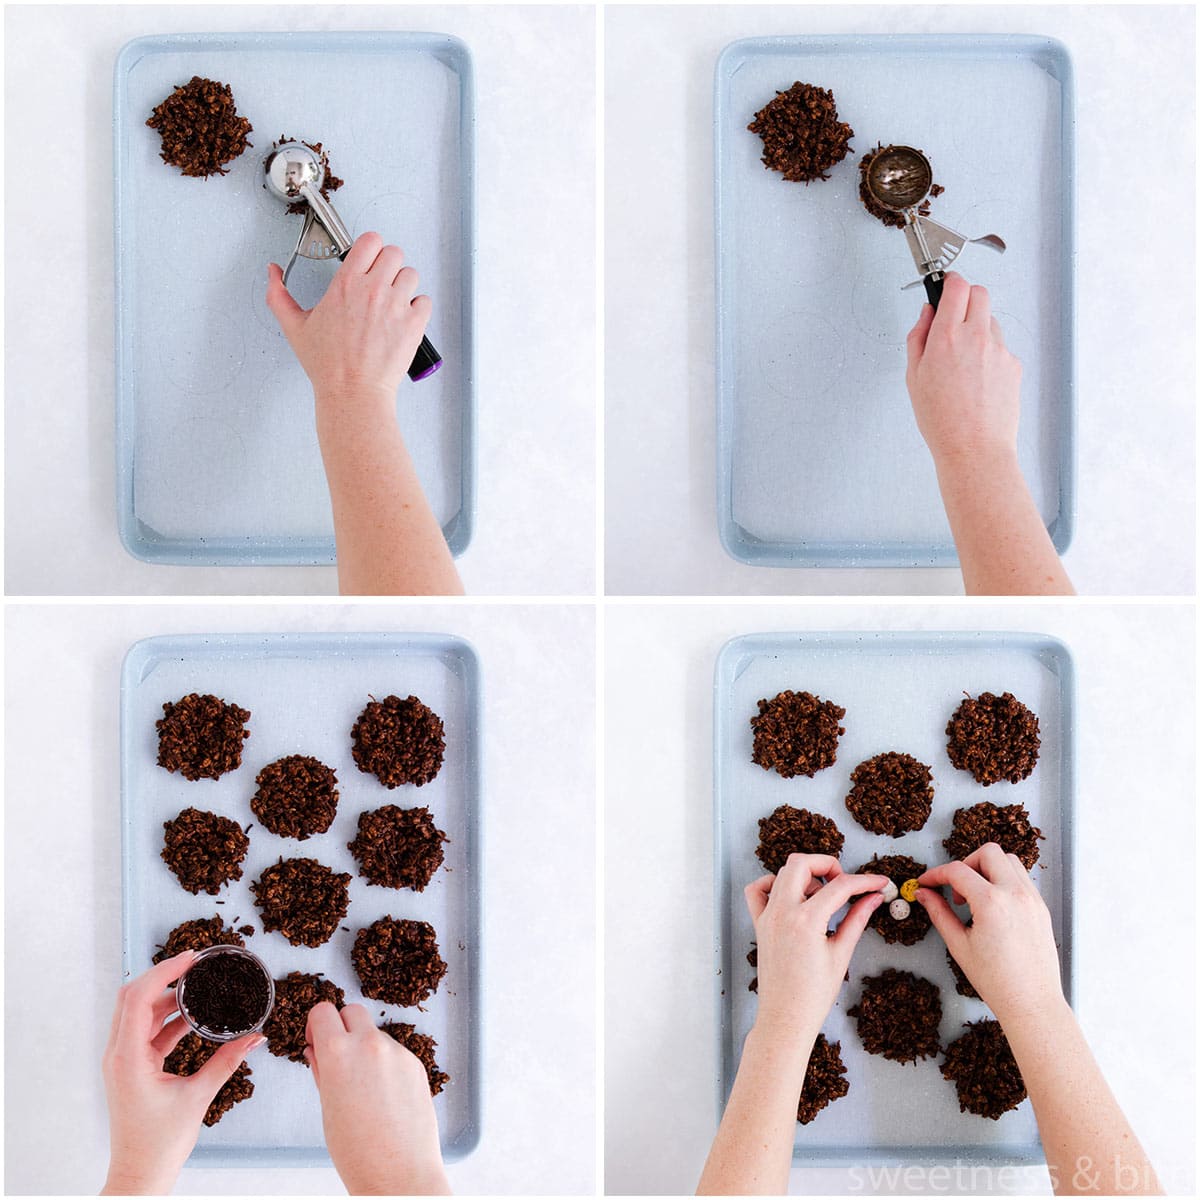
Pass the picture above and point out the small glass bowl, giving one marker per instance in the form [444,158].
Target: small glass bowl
[203,1030]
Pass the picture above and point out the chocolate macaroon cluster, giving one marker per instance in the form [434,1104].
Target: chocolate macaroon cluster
[801,134]
[302,899]
[899,868]
[423,1046]
[297,797]
[295,996]
[824,1081]
[398,847]
[201,737]
[204,850]
[190,1055]
[994,738]
[1008,826]
[796,733]
[200,128]
[891,794]
[985,1074]
[791,830]
[898,1016]
[399,741]
[197,935]
[398,962]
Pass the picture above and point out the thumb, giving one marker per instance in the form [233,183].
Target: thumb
[285,310]
[855,921]
[945,920]
[216,1072]
[918,334]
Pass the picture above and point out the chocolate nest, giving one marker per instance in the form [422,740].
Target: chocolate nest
[297,797]
[1007,825]
[796,733]
[898,1016]
[423,1046]
[791,830]
[399,741]
[962,985]
[891,794]
[201,737]
[200,128]
[994,737]
[204,851]
[190,1055]
[197,935]
[398,961]
[331,184]
[295,995]
[398,847]
[302,899]
[801,134]
[824,1081]
[985,1074]
[886,215]
[899,869]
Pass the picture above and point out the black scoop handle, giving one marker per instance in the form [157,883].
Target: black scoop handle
[426,360]
[933,288]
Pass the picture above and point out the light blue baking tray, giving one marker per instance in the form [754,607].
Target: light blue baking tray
[217,455]
[819,461]
[304,692]
[898,690]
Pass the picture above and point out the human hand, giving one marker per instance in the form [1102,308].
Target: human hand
[800,969]
[964,384]
[360,339]
[154,1117]
[1008,953]
[378,1115]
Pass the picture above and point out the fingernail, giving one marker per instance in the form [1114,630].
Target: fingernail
[254,1045]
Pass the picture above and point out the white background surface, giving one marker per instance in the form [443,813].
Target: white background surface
[1135,293]
[1136,925]
[62,816]
[535,189]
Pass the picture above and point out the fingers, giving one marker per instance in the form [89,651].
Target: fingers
[756,894]
[997,332]
[363,253]
[992,863]
[918,334]
[855,921]
[213,1075]
[967,883]
[405,285]
[422,306]
[952,307]
[979,307]
[311,1059]
[387,265]
[168,1037]
[137,1010]
[356,1018]
[841,890]
[324,1023]
[287,313]
[945,919]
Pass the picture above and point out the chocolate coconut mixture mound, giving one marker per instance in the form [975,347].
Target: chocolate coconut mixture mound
[197,935]
[398,961]
[204,851]
[297,796]
[962,985]
[398,847]
[791,830]
[994,737]
[295,995]
[1008,826]
[824,1081]
[423,1046]
[801,134]
[891,794]
[899,869]
[399,741]
[985,1074]
[898,1016]
[331,184]
[302,899]
[200,128]
[796,733]
[190,1055]
[887,215]
[201,737]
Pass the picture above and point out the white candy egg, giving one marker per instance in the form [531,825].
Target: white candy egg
[890,892]
[899,910]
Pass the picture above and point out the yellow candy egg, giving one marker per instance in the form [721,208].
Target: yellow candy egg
[908,890]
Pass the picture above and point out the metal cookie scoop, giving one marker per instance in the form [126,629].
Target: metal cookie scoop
[295,174]
[898,179]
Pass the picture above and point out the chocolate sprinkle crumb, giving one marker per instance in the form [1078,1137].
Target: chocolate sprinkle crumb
[399,741]
[801,134]
[200,128]
[295,996]
[190,1055]
[994,737]
[398,847]
[892,794]
[985,1074]
[398,961]
[824,1081]
[302,899]
[796,733]
[1008,826]
[423,1046]
[201,737]
[899,869]
[898,1016]
[297,797]
[791,830]
[204,851]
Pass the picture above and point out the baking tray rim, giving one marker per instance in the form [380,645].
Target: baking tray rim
[147,650]
[737,542]
[139,539]
[725,672]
